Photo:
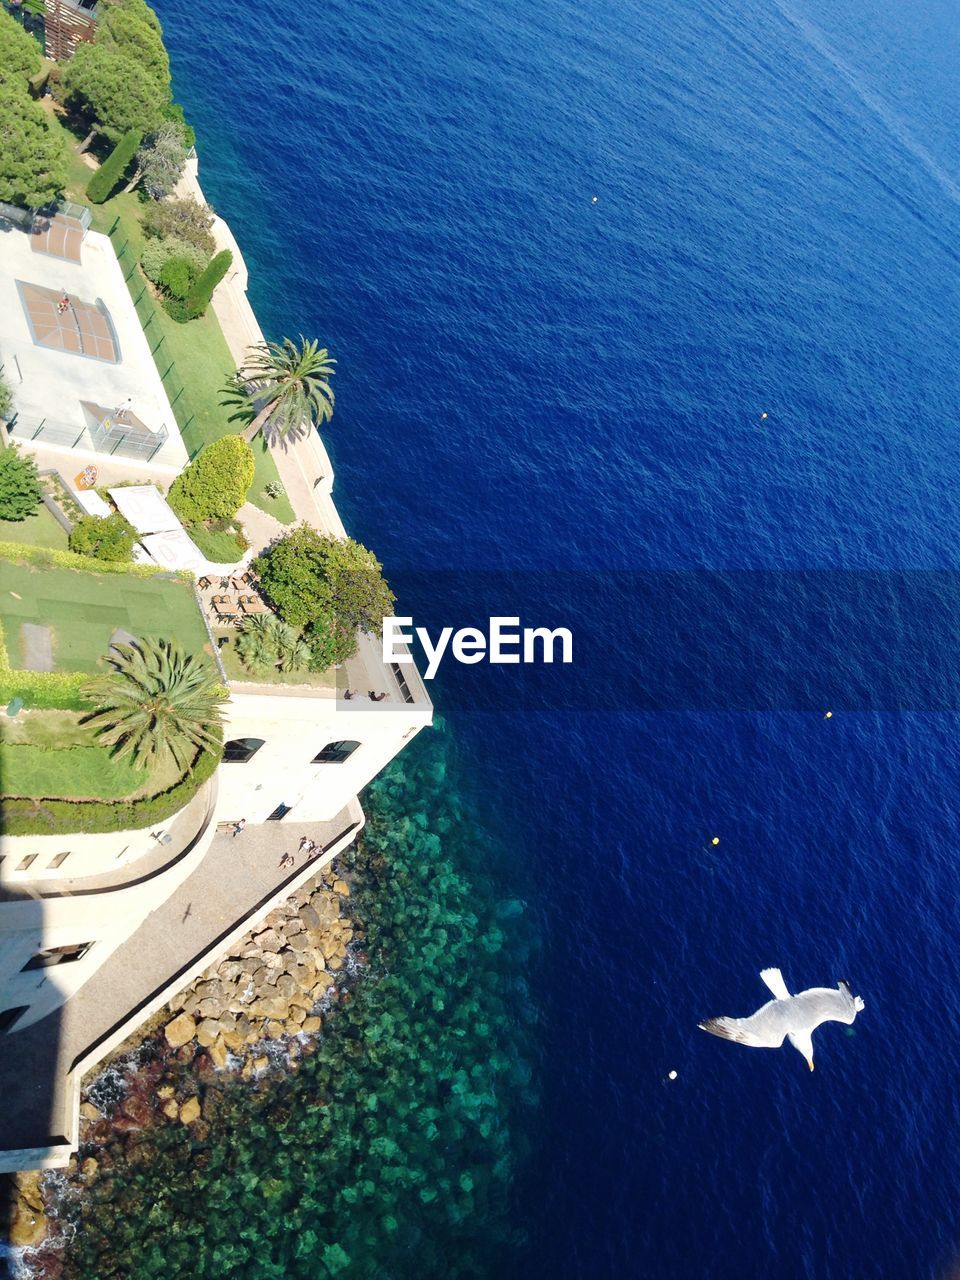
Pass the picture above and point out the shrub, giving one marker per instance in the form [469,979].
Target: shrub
[6,399]
[183,219]
[110,538]
[20,56]
[50,558]
[333,586]
[177,276]
[101,185]
[155,255]
[161,159]
[44,690]
[198,299]
[216,483]
[20,491]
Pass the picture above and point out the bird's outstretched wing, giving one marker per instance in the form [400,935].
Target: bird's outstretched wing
[825,1004]
[764,1029]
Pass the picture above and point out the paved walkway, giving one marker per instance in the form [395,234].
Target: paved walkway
[235,885]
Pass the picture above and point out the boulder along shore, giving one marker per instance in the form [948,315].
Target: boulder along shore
[258,1011]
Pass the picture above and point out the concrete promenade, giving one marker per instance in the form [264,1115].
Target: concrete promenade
[236,883]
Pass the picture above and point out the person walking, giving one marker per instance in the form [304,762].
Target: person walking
[238,827]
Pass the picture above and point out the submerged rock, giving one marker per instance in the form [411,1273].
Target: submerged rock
[190,1111]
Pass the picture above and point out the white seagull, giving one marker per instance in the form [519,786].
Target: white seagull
[794,1018]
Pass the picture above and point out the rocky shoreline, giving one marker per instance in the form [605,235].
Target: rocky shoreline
[256,1012]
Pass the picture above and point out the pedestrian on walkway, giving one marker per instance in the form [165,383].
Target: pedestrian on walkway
[286,860]
[238,827]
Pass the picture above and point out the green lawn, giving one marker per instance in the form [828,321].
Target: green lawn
[237,671]
[201,362]
[38,530]
[84,609]
[51,753]
[221,548]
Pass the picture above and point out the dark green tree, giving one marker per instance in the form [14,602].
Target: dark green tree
[111,172]
[127,32]
[110,538]
[32,162]
[20,491]
[334,587]
[201,292]
[112,92]
[20,55]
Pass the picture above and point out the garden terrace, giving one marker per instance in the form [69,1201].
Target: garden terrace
[65,619]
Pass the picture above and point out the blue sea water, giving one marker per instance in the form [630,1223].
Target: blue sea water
[530,381]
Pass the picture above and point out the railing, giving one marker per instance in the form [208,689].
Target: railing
[22,218]
[147,307]
[79,212]
[115,440]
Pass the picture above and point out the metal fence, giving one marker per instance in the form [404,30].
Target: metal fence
[147,309]
[125,442]
[22,218]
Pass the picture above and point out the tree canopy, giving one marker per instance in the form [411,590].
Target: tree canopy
[157,702]
[286,385]
[20,492]
[109,538]
[127,32]
[161,159]
[32,162]
[113,91]
[215,485]
[101,185]
[20,55]
[332,586]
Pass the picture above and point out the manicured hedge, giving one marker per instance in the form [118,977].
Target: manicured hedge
[44,690]
[23,817]
[201,294]
[114,167]
[48,558]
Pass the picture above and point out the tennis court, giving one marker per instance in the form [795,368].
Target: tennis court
[85,611]
[64,322]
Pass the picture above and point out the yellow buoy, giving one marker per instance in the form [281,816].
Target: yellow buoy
[828,715]
[594,200]
[715,840]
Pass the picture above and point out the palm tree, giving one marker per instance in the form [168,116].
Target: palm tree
[257,642]
[158,703]
[287,384]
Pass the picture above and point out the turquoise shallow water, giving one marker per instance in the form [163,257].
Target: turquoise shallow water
[394,1149]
